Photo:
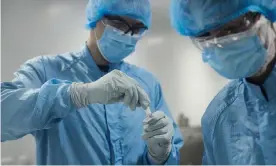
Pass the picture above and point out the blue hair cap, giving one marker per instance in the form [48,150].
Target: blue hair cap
[195,17]
[136,9]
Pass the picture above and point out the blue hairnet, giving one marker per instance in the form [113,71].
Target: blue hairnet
[136,9]
[194,17]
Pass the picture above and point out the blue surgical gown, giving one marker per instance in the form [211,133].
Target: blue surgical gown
[37,102]
[239,126]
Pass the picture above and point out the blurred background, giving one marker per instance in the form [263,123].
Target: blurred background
[31,28]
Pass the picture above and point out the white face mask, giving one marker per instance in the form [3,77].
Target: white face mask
[115,45]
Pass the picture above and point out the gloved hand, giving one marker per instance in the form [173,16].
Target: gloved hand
[114,87]
[158,133]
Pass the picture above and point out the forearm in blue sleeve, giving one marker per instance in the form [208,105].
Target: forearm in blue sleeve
[25,110]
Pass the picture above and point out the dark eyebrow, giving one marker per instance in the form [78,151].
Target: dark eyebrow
[116,18]
[139,24]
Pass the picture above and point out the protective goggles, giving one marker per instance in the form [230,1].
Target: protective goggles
[121,24]
[232,31]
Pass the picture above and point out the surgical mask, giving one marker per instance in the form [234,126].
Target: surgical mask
[115,45]
[268,37]
[238,55]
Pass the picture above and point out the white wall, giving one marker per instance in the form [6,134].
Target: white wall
[37,27]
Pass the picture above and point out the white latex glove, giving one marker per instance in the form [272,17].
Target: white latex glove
[158,133]
[114,87]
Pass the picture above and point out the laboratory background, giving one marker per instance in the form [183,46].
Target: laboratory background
[31,28]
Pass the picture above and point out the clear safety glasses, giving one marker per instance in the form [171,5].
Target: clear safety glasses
[121,24]
[232,31]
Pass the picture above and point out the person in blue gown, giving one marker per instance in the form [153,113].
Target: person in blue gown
[238,40]
[88,107]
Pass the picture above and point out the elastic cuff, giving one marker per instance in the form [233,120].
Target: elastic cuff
[152,161]
[160,159]
[77,96]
